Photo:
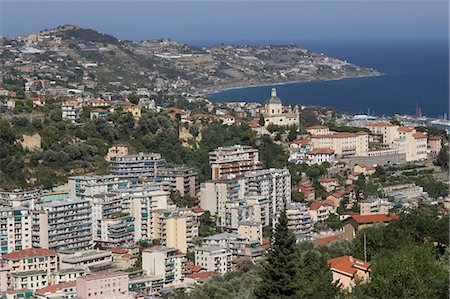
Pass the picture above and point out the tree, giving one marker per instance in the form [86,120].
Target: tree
[261,121]
[280,269]
[411,272]
[292,134]
[442,158]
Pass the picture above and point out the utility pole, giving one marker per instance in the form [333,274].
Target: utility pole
[365,248]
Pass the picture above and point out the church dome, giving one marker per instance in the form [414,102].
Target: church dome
[273,99]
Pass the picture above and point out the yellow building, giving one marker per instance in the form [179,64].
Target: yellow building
[251,229]
[134,110]
[343,144]
[117,150]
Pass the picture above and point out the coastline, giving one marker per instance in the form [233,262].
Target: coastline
[210,91]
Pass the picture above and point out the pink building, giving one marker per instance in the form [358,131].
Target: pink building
[435,144]
[4,271]
[347,271]
[113,285]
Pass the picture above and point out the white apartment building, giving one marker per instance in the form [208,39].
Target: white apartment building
[215,194]
[166,262]
[213,258]
[65,224]
[374,205]
[85,260]
[299,220]
[233,161]
[81,186]
[143,202]
[251,208]
[15,229]
[319,156]
[21,198]
[71,110]
[273,184]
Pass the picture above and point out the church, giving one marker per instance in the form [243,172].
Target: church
[274,114]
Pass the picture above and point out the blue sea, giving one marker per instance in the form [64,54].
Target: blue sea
[413,72]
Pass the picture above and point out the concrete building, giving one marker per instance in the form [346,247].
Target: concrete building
[347,271]
[318,212]
[374,205]
[319,156]
[274,113]
[117,150]
[21,198]
[343,144]
[233,161]
[4,272]
[166,262]
[434,145]
[66,275]
[363,169]
[87,260]
[213,258]
[140,165]
[181,179]
[15,229]
[355,223]
[144,201]
[31,268]
[112,285]
[71,110]
[62,290]
[251,208]
[63,225]
[215,194]
[251,229]
[299,220]
[81,186]
[175,229]
[318,130]
[273,184]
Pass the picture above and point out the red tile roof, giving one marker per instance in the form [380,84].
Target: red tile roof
[419,135]
[27,253]
[119,250]
[340,135]
[374,218]
[205,274]
[321,151]
[380,125]
[315,205]
[301,142]
[326,240]
[56,287]
[405,129]
[348,264]
[435,138]
[318,127]
[193,268]
[327,180]
[197,210]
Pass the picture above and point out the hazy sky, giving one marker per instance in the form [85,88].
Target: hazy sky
[229,21]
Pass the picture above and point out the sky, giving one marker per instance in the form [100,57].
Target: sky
[234,21]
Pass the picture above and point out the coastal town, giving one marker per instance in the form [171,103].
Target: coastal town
[119,180]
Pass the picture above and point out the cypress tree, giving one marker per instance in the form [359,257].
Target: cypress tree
[279,269]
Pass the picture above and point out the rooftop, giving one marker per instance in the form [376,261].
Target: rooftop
[348,264]
[28,253]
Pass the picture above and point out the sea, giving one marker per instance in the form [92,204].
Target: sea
[415,73]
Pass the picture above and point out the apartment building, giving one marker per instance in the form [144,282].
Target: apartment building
[71,110]
[21,198]
[233,161]
[213,258]
[166,262]
[348,271]
[374,205]
[112,285]
[318,211]
[66,275]
[136,166]
[320,155]
[318,130]
[215,194]
[87,260]
[405,140]
[343,144]
[273,184]
[15,229]
[65,224]
[4,272]
[31,268]
[181,179]
[299,220]
[434,145]
[251,208]
[240,246]
[143,202]
[117,150]
[251,229]
[175,229]
[81,186]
